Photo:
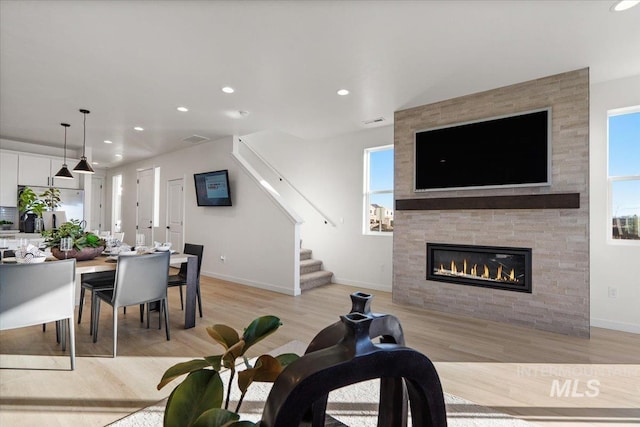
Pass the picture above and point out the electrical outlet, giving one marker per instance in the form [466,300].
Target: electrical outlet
[613,292]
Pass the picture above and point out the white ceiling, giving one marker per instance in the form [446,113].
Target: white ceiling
[133,62]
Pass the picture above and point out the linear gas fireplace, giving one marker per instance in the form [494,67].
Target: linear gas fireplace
[486,266]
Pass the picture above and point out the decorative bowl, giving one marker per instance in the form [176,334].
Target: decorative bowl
[80,255]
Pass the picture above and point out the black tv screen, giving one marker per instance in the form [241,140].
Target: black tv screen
[511,151]
[212,188]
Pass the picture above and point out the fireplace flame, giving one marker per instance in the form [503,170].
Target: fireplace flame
[485,275]
[484,272]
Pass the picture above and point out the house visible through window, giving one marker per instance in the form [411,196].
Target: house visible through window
[624,174]
[378,190]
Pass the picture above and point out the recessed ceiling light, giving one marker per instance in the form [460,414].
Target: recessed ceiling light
[228,89]
[119,155]
[343,92]
[106,141]
[95,163]
[183,109]
[138,128]
[623,5]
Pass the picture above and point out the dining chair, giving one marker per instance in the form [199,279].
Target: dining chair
[34,294]
[180,279]
[119,235]
[93,282]
[139,279]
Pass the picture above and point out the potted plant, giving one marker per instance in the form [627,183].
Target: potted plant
[197,401]
[31,206]
[51,198]
[85,244]
[5,224]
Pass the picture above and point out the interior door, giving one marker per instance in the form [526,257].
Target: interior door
[145,205]
[96,221]
[175,210]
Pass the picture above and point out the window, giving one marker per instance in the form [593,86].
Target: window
[624,174]
[116,203]
[378,190]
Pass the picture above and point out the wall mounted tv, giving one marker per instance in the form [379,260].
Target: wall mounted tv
[512,151]
[212,188]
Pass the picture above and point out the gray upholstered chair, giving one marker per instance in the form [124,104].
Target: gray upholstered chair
[33,294]
[139,280]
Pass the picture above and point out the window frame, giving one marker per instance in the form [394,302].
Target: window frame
[367,193]
[611,179]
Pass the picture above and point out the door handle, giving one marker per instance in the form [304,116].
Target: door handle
[149,227]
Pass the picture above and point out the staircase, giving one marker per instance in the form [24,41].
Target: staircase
[311,273]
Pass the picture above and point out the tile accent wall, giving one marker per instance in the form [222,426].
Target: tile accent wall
[559,238]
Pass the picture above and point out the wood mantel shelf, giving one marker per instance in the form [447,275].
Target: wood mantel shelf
[530,201]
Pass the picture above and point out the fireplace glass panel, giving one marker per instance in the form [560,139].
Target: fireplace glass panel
[486,266]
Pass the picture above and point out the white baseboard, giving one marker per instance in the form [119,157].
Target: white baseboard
[358,284]
[260,285]
[617,326]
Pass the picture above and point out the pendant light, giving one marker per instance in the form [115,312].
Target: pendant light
[64,173]
[83,166]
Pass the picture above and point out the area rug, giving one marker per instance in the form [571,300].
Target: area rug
[354,406]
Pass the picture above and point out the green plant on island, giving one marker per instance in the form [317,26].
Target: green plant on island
[197,401]
[51,198]
[75,230]
[29,202]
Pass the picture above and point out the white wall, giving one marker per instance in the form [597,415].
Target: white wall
[612,265]
[330,174]
[256,238]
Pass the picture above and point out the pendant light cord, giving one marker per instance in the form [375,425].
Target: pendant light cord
[84,134]
[65,145]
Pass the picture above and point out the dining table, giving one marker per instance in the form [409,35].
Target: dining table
[102,263]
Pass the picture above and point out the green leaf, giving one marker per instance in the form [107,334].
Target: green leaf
[182,368]
[201,391]
[224,335]
[230,356]
[287,358]
[259,329]
[266,370]
[216,418]
[215,361]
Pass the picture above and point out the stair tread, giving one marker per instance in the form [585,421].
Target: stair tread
[305,254]
[315,275]
[307,262]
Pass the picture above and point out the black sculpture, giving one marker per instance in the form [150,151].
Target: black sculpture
[344,354]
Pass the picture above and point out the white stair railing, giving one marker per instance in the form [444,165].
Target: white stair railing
[283,179]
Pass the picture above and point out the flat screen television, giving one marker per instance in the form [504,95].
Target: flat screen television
[512,151]
[212,188]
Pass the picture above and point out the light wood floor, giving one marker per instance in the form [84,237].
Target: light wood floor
[513,369]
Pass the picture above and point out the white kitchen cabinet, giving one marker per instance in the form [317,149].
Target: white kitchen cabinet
[8,179]
[39,171]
